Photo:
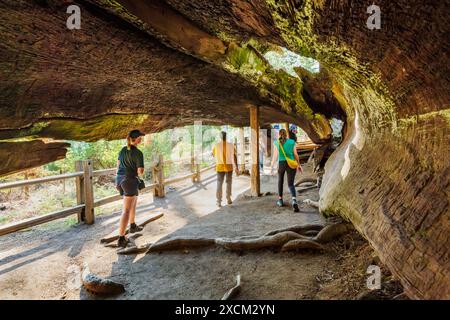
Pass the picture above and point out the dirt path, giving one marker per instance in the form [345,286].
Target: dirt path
[45,263]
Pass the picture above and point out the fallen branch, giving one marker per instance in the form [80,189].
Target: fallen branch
[233,292]
[130,241]
[330,232]
[115,235]
[180,243]
[98,285]
[301,244]
[276,240]
[300,229]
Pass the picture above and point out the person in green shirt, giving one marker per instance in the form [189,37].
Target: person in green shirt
[130,165]
[290,151]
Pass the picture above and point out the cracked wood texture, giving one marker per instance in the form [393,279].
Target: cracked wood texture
[390,176]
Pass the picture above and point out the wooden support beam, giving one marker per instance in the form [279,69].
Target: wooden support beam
[241,150]
[79,185]
[286,127]
[254,151]
[88,168]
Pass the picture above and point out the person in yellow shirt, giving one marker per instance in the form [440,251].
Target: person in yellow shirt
[225,154]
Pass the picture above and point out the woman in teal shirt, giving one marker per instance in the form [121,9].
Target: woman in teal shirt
[290,151]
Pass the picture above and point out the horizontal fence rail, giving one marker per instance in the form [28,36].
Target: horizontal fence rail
[16,226]
[85,195]
[22,183]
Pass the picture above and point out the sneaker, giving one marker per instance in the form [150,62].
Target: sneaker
[122,242]
[295,205]
[135,228]
[229,201]
[280,202]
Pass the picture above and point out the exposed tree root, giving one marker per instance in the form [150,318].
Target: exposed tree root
[300,229]
[142,223]
[330,232]
[276,240]
[301,244]
[310,233]
[135,249]
[180,243]
[303,180]
[311,203]
[98,285]
[288,239]
[233,292]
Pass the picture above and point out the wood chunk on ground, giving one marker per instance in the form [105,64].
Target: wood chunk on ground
[98,285]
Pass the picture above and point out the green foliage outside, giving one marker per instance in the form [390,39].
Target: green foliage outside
[173,144]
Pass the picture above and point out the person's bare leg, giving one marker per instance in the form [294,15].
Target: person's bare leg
[229,180]
[133,210]
[127,204]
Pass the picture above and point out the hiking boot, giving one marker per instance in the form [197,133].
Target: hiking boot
[122,242]
[135,228]
[280,202]
[295,205]
[229,201]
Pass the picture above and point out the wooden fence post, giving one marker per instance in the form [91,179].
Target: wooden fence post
[194,178]
[254,151]
[79,184]
[89,216]
[197,168]
[158,178]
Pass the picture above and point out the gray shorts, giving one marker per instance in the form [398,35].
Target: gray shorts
[127,186]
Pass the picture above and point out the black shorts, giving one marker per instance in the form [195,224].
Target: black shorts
[128,186]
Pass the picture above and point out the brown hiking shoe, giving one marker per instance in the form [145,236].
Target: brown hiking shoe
[135,228]
[122,242]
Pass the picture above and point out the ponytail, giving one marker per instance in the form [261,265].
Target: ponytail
[283,136]
[129,141]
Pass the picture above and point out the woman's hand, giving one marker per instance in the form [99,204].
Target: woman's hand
[299,168]
[271,171]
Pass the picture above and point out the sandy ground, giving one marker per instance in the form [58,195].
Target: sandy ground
[46,262]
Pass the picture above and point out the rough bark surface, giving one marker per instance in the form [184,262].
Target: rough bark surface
[17,156]
[391,175]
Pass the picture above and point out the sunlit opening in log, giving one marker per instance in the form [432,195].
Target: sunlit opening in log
[288,60]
